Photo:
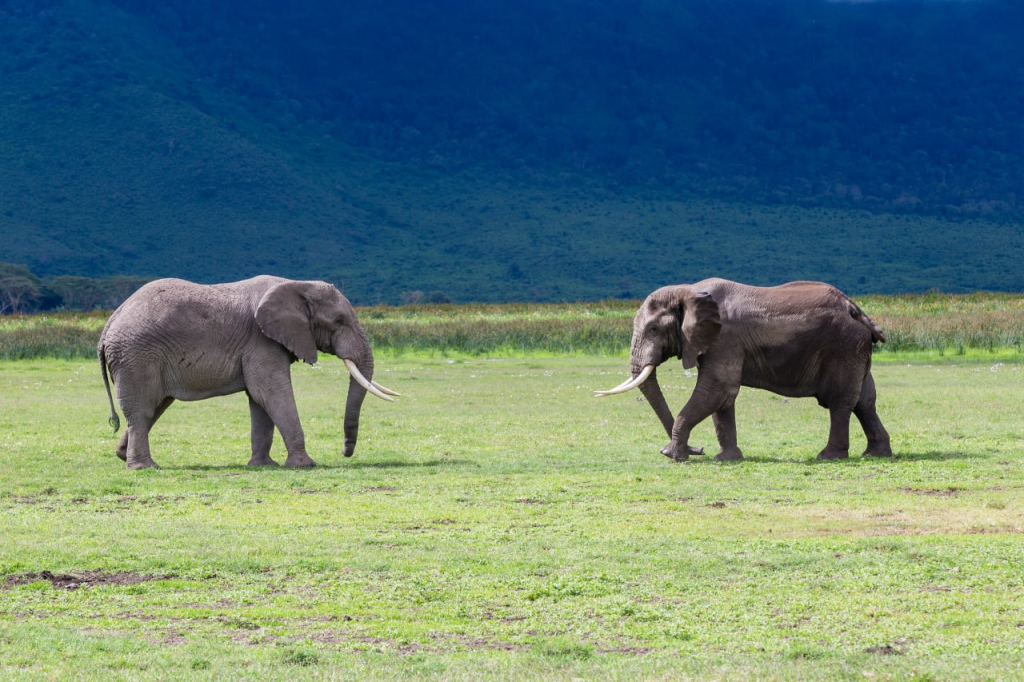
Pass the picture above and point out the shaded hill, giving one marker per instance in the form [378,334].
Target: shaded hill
[490,152]
[901,104]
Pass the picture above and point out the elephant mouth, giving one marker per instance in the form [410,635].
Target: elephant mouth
[382,392]
[629,384]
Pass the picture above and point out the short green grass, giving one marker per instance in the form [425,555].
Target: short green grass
[499,521]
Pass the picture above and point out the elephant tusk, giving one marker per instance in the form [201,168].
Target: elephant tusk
[610,391]
[384,389]
[358,376]
[628,385]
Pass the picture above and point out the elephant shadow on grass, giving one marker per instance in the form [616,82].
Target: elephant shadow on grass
[384,464]
[930,455]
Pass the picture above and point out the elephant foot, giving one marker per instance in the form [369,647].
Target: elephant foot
[833,453]
[264,461]
[680,454]
[122,455]
[729,455]
[877,450]
[136,464]
[302,460]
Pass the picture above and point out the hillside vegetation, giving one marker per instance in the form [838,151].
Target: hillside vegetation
[515,152]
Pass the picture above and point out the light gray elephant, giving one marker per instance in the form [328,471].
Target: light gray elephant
[802,339]
[175,340]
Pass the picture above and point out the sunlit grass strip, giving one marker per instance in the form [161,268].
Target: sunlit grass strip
[64,336]
[477,337]
[944,323]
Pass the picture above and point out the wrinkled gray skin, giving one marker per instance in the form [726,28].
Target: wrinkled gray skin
[175,340]
[802,339]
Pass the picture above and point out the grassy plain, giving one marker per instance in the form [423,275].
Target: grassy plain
[499,521]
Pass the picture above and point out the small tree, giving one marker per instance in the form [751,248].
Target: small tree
[117,289]
[19,288]
[18,294]
[77,293]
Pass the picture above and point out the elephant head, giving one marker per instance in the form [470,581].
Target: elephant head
[674,321]
[306,317]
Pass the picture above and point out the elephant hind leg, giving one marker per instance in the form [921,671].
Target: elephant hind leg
[122,446]
[838,446]
[262,434]
[867,415]
[725,428]
[136,436]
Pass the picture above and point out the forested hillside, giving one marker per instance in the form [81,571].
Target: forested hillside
[506,151]
[896,104]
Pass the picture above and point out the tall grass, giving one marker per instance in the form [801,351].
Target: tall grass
[915,322]
[947,322]
[64,335]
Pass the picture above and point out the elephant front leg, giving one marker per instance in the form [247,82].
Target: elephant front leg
[279,405]
[262,432]
[679,448]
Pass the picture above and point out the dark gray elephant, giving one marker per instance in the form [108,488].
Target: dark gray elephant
[175,340]
[800,339]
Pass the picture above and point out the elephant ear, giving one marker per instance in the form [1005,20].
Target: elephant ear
[701,324]
[283,315]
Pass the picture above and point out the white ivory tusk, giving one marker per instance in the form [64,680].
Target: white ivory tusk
[384,389]
[629,385]
[358,376]
[610,391]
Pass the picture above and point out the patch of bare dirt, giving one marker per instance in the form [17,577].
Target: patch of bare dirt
[73,581]
[41,498]
[167,638]
[628,650]
[31,498]
[951,491]
[476,643]
[993,530]
[885,650]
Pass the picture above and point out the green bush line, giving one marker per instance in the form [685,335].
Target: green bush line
[924,322]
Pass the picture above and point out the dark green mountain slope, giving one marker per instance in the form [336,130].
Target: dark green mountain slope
[117,157]
[170,139]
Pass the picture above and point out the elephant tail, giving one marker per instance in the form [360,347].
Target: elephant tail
[877,336]
[114,420]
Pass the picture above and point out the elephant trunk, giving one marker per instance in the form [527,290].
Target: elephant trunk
[652,392]
[353,405]
[363,360]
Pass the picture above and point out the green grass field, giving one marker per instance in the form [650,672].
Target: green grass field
[499,521]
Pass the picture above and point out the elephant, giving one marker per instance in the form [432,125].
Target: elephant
[800,339]
[177,340]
